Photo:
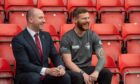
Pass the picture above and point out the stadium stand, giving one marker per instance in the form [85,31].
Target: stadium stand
[131,37]
[111,39]
[7,32]
[55,12]
[49,28]
[16,11]
[2,12]
[133,10]
[111,12]
[129,65]
[90,5]
[116,22]
[6,75]
[7,60]
[65,28]
[110,64]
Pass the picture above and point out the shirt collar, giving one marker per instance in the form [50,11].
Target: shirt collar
[32,33]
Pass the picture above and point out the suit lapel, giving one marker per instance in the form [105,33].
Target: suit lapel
[43,42]
[30,40]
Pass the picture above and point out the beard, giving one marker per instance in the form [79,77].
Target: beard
[81,26]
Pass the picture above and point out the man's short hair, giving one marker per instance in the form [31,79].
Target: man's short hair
[78,11]
[30,13]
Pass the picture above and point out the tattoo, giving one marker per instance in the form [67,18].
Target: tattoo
[100,53]
[101,59]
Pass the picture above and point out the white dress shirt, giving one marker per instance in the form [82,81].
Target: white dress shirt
[32,33]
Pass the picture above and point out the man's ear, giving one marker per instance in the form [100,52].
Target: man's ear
[30,19]
[74,20]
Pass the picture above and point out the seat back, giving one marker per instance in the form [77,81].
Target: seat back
[6,76]
[52,5]
[129,65]
[55,12]
[111,39]
[118,19]
[133,10]
[130,30]
[18,5]
[134,17]
[131,36]
[7,32]
[65,28]
[110,64]
[49,28]
[17,10]
[90,5]
[81,3]
[108,9]
[130,4]
[104,5]
[2,11]
[105,29]
[132,78]
[128,61]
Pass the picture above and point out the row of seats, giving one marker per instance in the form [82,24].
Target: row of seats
[111,43]
[114,43]
[58,12]
[97,4]
[128,71]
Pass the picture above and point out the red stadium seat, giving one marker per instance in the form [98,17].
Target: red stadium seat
[129,65]
[14,68]
[111,39]
[6,75]
[111,12]
[2,12]
[7,32]
[49,28]
[131,36]
[110,64]
[65,28]
[55,12]
[90,5]
[17,10]
[133,10]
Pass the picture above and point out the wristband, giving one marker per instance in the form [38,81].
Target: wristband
[82,72]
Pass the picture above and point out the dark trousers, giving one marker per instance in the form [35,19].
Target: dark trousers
[105,76]
[35,78]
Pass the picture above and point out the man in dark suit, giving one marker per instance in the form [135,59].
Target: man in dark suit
[31,49]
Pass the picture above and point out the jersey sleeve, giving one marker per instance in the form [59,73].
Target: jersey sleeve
[65,45]
[97,43]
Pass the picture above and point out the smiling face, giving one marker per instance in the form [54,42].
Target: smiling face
[83,21]
[37,20]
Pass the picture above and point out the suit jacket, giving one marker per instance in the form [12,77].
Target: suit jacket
[27,55]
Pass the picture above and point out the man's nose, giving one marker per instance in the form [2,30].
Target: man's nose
[44,21]
[88,19]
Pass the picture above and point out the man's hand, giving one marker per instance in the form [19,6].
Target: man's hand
[87,78]
[52,71]
[61,70]
[94,76]
[56,71]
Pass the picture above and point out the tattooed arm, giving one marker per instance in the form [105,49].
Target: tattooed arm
[97,47]
[100,64]
[101,59]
